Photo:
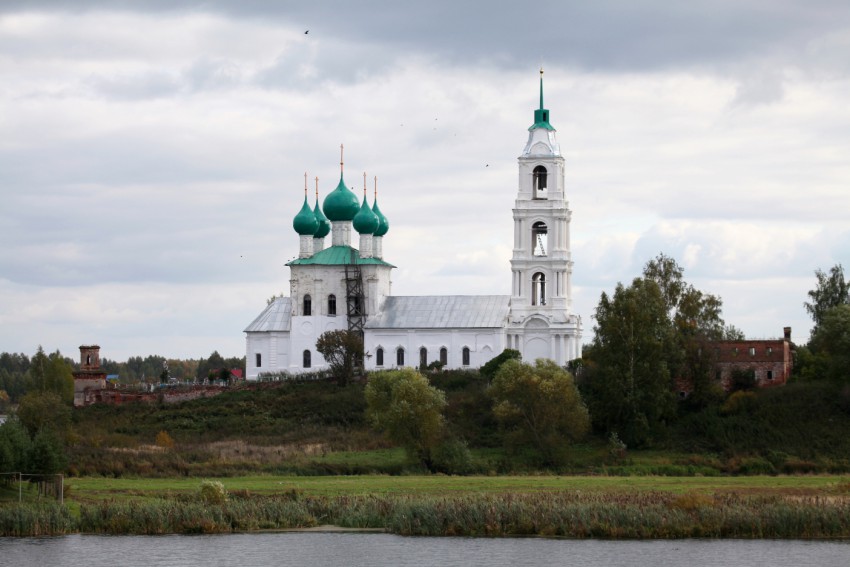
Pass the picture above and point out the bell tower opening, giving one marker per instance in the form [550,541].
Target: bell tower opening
[539,233]
[539,180]
[538,289]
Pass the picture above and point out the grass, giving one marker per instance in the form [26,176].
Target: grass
[100,489]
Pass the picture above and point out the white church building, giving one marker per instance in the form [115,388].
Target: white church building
[342,287]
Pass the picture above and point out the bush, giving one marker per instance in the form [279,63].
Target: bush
[452,456]
[213,492]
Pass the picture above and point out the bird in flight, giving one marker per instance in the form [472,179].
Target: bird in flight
[306,32]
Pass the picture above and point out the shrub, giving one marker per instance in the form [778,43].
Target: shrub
[164,440]
[213,492]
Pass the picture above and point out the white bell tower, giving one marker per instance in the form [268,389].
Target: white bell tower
[541,323]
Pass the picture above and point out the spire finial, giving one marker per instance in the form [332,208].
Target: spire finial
[376,187]
[317,188]
[340,159]
[305,184]
[364,184]
[541,87]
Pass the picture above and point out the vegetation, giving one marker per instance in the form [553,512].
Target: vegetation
[409,410]
[343,351]
[539,406]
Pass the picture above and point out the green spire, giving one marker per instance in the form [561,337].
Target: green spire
[541,115]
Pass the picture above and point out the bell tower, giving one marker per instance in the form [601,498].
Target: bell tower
[541,323]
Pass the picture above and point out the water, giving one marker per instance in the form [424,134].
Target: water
[285,549]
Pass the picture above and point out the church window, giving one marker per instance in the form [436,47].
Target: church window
[444,356]
[308,305]
[752,351]
[466,356]
[399,356]
[331,304]
[258,358]
[307,359]
[423,357]
[539,180]
[538,289]
[379,357]
[88,359]
[770,374]
[538,238]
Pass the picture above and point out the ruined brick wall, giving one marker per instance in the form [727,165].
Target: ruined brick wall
[770,360]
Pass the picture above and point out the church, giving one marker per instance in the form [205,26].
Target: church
[342,287]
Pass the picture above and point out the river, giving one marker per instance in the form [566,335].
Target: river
[285,549]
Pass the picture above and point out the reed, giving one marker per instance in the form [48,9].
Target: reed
[574,514]
[35,519]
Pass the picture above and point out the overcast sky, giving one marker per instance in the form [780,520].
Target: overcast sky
[152,154]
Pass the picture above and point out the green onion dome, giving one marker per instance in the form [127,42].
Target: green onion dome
[324,223]
[305,222]
[341,204]
[366,222]
[383,223]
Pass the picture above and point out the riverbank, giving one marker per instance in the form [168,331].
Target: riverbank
[793,508]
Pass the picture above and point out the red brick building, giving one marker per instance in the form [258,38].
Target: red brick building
[89,379]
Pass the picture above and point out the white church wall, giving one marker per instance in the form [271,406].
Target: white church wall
[483,345]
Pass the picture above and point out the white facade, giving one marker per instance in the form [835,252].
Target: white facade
[460,331]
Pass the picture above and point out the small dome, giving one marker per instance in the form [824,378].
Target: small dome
[366,222]
[324,223]
[305,222]
[383,223]
[341,204]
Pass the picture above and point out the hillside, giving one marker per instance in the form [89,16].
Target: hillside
[319,428]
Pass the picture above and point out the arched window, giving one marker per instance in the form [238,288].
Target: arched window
[466,356]
[331,304]
[88,359]
[538,289]
[308,305]
[539,182]
[379,357]
[444,356]
[539,233]
[399,357]
[423,357]
[307,359]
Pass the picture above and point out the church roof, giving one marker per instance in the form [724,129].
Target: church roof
[338,256]
[441,312]
[275,317]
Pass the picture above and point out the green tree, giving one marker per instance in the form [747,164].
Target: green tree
[831,291]
[403,405]
[628,377]
[47,455]
[44,410]
[14,447]
[342,350]
[695,318]
[831,343]
[52,374]
[539,405]
[492,366]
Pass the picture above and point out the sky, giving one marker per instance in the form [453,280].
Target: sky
[153,153]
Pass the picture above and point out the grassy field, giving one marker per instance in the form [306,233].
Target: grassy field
[98,489]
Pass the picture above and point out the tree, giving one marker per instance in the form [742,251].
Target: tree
[44,410]
[403,405]
[831,343]
[696,321]
[14,447]
[628,378]
[492,366]
[832,290]
[342,350]
[539,405]
[47,456]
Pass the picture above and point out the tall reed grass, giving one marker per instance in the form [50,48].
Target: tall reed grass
[573,514]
